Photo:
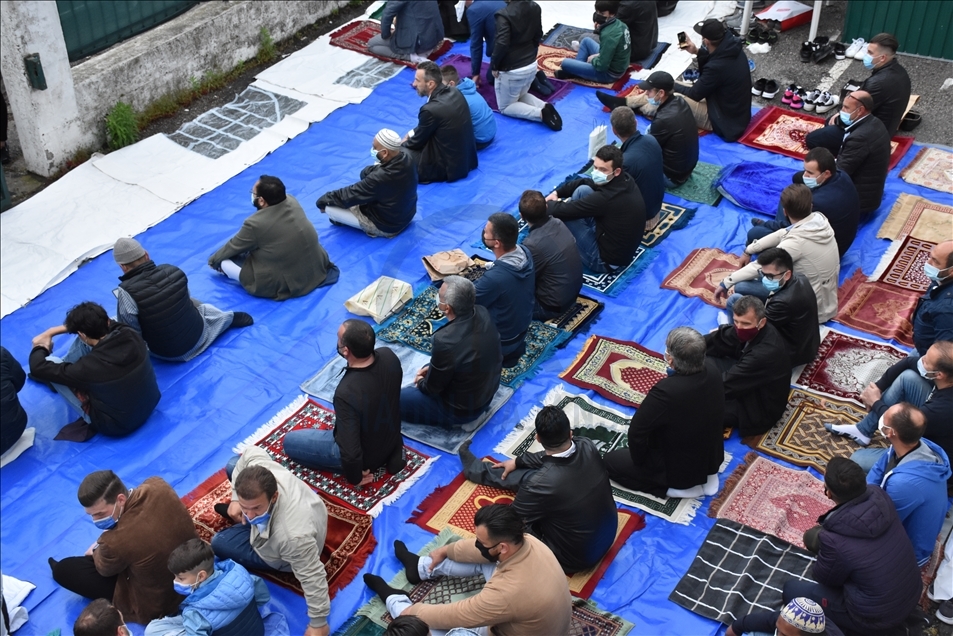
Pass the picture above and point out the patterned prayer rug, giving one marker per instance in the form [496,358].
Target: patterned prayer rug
[324,383]
[701,273]
[700,187]
[354,36]
[766,496]
[845,365]
[739,570]
[305,413]
[800,437]
[415,325]
[883,310]
[488,92]
[671,217]
[918,217]
[453,506]
[550,58]
[562,36]
[578,317]
[931,168]
[349,541]
[370,74]
[783,131]
[619,370]
[612,284]
[902,265]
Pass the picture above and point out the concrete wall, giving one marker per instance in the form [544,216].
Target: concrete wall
[212,35]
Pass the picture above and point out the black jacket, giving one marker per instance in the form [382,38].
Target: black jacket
[387,194]
[641,16]
[837,199]
[724,82]
[865,156]
[618,209]
[933,318]
[889,85]
[567,504]
[675,130]
[519,29]
[12,416]
[117,376]
[757,385]
[465,363]
[793,312]
[444,137]
[170,322]
[556,263]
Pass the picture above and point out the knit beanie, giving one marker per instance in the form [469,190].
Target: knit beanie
[127,250]
[804,614]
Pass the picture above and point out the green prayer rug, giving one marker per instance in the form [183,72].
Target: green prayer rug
[700,186]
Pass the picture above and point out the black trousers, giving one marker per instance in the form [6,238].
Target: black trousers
[79,575]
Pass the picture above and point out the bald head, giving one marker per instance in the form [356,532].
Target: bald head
[941,256]
[862,99]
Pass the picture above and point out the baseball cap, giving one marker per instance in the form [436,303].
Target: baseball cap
[659,80]
[711,29]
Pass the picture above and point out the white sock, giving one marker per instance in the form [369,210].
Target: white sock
[711,486]
[687,493]
[853,431]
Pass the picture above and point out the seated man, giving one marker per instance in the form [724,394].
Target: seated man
[525,593]
[481,16]
[925,382]
[276,254]
[280,526]
[606,213]
[642,19]
[832,194]
[604,61]
[562,492]
[673,128]
[863,149]
[366,433]
[756,370]
[642,160]
[106,375]
[155,301]
[800,617]
[676,440]
[384,201]
[409,30]
[13,418]
[556,260]
[867,579]
[127,564]
[809,241]
[791,305]
[913,471]
[442,146]
[100,618]
[484,124]
[465,363]
[933,318]
[507,288]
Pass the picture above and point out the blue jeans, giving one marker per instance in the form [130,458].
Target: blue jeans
[830,137]
[416,407]
[584,231]
[581,68]
[314,449]
[77,350]
[866,458]
[910,387]
[747,288]
[235,543]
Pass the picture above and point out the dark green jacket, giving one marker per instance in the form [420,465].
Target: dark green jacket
[614,44]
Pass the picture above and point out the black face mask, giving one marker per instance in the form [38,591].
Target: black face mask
[485,552]
[598,18]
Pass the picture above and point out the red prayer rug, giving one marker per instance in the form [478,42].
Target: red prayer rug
[877,308]
[902,265]
[702,272]
[349,541]
[370,499]
[845,365]
[771,498]
[453,506]
[355,36]
[619,370]
[783,131]
[550,58]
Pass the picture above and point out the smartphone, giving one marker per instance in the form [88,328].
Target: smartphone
[682,40]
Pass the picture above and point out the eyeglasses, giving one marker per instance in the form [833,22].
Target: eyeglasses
[777,276]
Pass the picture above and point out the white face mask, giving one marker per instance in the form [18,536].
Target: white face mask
[881,426]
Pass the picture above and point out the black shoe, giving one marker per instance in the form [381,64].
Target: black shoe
[609,100]
[756,222]
[551,118]
[758,87]
[823,52]
[409,560]
[380,587]
[241,319]
[561,74]
[840,50]
[542,85]
[771,89]
[222,510]
[807,50]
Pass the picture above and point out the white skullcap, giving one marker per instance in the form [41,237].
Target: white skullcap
[388,138]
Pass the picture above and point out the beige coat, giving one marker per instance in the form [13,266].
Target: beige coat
[528,595]
[294,537]
[811,244]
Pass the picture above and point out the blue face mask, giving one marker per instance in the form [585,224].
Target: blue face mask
[810,182]
[182,588]
[933,273]
[107,523]
[845,117]
[261,521]
[653,101]
[599,178]
[771,285]
[868,60]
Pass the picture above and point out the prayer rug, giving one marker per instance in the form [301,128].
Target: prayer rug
[671,217]
[766,496]
[370,74]
[349,541]
[577,317]
[883,310]
[453,506]
[325,382]
[845,365]
[488,92]
[739,570]
[918,217]
[700,187]
[416,324]
[701,273]
[354,36]
[902,265]
[931,168]
[783,131]
[754,186]
[928,571]
[550,59]
[800,437]
[305,413]
[619,370]
[450,439]
[613,283]
[562,35]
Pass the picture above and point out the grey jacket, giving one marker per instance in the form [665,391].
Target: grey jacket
[419,28]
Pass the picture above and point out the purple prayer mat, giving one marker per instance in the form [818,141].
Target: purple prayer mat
[462,64]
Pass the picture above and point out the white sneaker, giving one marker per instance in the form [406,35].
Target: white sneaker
[810,100]
[859,44]
[575,45]
[848,430]
[825,102]
[859,55]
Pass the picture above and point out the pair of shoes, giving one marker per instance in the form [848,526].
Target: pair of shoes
[794,96]
[551,118]
[789,93]
[840,50]
[859,45]
[542,85]
[810,98]
[609,100]
[824,102]
[241,319]
[944,612]
[761,34]
[765,88]
[848,430]
[823,51]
